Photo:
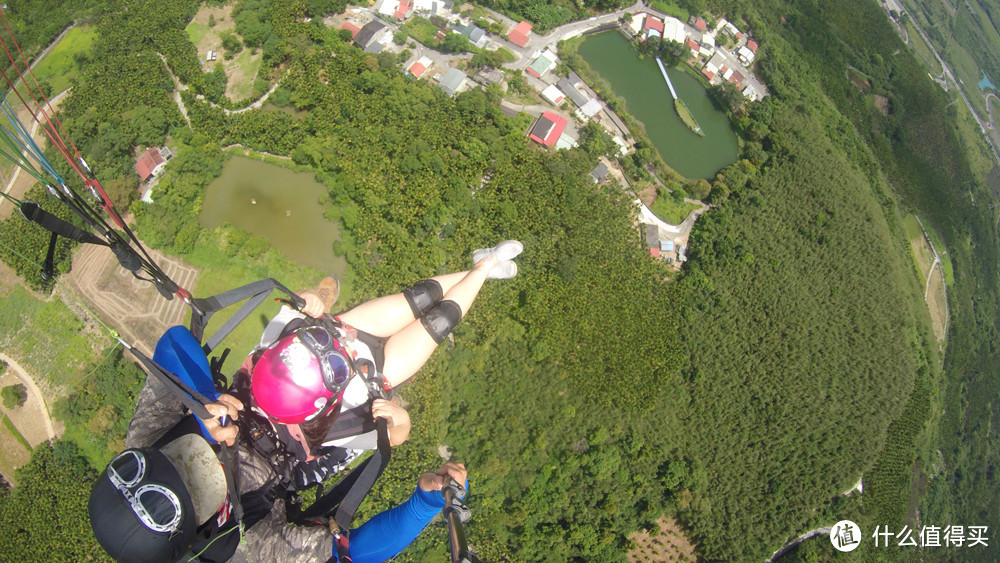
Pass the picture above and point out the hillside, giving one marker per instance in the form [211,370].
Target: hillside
[598,391]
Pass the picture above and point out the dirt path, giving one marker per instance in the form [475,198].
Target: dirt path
[32,418]
[941,324]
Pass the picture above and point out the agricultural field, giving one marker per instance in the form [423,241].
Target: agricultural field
[14,453]
[667,543]
[59,67]
[47,338]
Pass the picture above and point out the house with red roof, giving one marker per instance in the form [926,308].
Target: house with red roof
[708,74]
[736,79]
[404,9]
[698,23]
[352,28]
[150,163]
[548,129]
[418,68]
[519,35]
[695,47]
[653,26]
[752,45]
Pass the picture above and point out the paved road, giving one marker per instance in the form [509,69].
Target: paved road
[958,86]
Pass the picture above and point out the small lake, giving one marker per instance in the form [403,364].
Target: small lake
[287,210]
[647,98]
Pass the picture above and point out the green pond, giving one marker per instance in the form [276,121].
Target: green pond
[276,203]
[647,98]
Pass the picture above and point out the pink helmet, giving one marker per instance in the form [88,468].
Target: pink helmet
[300,377]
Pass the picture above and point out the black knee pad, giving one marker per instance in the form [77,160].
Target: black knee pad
[423,295]
[441,319]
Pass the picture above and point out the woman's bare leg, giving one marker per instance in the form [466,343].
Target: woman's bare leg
[385,316]
[408,350]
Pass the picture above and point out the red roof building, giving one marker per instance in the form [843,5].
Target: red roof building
[405,7]
[548,129]
[150,163]
[708,74]
[654,252]
[700,24]
[417,69]
[692,44]
[351,27]
[752,45]
[736,79]
[654,23]
[519,35]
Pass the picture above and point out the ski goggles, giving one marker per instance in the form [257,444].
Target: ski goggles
[156,506]
[333,359]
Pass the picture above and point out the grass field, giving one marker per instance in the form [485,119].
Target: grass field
[422,30]
[47,338]
[242,72]
[981,158]
[58,68]
[923,51]
[670,211]
[923,256]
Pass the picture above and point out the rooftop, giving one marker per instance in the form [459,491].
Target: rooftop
[548,128]
[519,35]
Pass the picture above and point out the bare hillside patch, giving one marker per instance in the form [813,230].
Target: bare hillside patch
[668,543]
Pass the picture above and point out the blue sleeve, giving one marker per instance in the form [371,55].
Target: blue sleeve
[389,532]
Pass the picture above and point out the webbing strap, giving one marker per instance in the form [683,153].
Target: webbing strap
[51,223]
[204,308]
[192,399]
[371,472]
[348,493]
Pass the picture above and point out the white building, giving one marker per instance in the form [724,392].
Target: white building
[589,109]
[553,95]
[674,30]
[745,55]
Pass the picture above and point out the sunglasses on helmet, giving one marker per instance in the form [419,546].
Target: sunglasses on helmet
[333,359]
[156,506]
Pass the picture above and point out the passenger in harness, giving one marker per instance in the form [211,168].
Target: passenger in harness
[166,498]
[323,380]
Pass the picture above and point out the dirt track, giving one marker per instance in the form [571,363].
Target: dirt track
[32,418]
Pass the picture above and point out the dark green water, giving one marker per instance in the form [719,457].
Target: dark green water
[287,210]
[647,98]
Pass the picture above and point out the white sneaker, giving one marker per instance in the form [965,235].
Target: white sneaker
[503,271]
[506,250]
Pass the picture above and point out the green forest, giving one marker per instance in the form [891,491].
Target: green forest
[598,390]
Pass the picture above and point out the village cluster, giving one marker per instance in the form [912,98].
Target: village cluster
[722,53]
[372,30]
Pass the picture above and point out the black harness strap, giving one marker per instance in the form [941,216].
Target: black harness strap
[346,496]
[34,213]
[257,292]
